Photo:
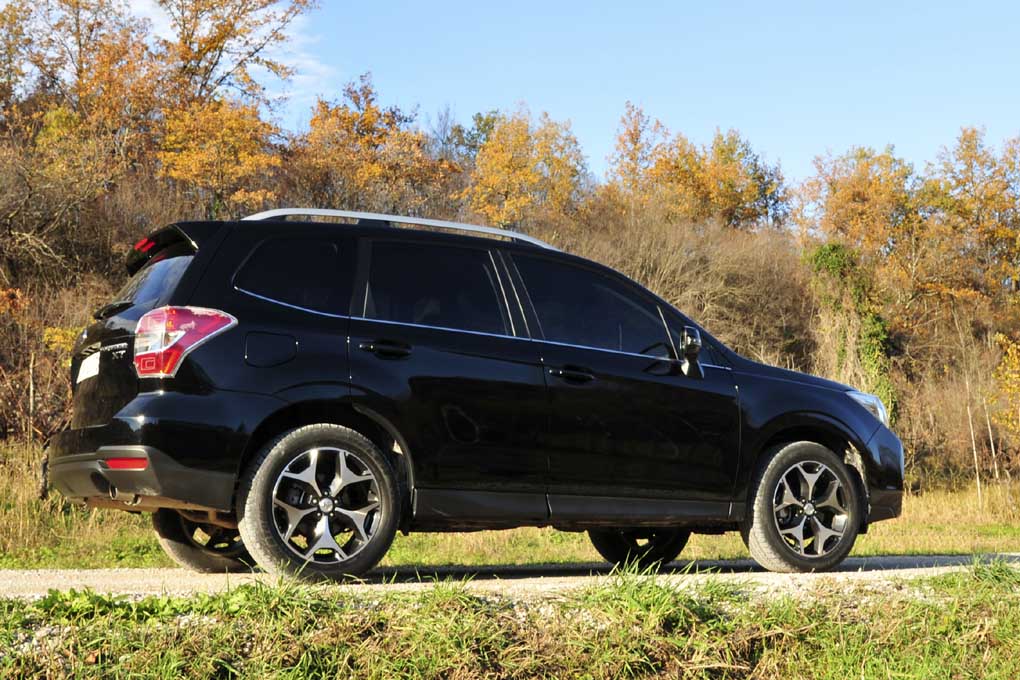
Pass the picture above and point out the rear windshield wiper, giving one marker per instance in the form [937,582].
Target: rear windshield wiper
[110,309]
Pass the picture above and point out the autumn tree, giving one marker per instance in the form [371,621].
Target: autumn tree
[358,153]
[725,180]
[638,141]
[14,44]
[527,168]
[217,46]
[222,151]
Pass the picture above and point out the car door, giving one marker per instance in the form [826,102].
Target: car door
[437,351]
[624,422]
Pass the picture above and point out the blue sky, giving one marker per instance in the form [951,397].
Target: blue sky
[796,79]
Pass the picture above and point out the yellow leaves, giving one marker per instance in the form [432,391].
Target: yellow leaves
[59,340]
[222,148]
[724,180]
[359,154]
[216,44]
[1007,385]
[524,166]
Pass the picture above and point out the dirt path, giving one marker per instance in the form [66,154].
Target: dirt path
[517,582]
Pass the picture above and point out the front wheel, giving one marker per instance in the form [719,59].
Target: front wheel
[643,547]
[806,511]
[205,548]
[320,503]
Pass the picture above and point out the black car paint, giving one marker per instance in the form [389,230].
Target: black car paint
[489,434]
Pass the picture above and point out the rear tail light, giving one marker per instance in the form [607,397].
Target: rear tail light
[166,335]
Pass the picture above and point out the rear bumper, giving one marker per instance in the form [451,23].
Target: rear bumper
[162,482]
[194,445]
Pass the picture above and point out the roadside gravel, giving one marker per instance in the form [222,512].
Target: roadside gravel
[517,582]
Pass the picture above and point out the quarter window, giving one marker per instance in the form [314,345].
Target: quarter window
[429,285]
[303,272]
[578,306]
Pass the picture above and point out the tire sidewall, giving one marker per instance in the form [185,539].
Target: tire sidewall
[616,549]
[255,503]
[763,519]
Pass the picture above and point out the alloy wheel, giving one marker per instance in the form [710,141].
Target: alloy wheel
[213,539]
[810,509]
[326,505]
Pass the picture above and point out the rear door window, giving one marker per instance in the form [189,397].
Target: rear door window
[302,272]
[434,285]
[585,308]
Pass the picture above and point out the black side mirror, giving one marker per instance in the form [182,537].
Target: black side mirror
[690,348]
[690,343]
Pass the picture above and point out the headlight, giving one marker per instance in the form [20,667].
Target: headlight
[872,403]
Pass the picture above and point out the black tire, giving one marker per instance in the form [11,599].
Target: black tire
[812,529]
[271,496]
[645,548]
[204,548]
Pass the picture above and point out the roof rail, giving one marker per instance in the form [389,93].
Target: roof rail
[438,224]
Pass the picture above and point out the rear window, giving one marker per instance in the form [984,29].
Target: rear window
[295,271]
[157,279]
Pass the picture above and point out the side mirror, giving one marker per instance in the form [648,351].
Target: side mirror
[690,343]
[689,349]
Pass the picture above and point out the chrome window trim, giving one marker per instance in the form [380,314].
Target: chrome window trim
[604,349]
[629,354]
[287,304]
[440,328]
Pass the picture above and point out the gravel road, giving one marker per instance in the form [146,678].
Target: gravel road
[510,581]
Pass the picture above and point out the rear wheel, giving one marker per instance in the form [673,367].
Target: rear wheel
[806,511]
[206,548]
[320,503]
[644,547]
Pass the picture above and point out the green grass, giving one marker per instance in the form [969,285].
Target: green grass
[37,533]
[965,625]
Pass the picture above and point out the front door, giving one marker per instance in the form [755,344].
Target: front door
[624,422]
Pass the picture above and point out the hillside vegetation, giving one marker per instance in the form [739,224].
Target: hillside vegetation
[899,280]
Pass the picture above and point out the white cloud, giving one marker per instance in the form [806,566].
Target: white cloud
[312,76]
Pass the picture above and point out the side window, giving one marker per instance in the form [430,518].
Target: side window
[303,272]
[431,285]
[578,306]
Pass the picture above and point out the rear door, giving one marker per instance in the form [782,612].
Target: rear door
[623,421]
[437,350]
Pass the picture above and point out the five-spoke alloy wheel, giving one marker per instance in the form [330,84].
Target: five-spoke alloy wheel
[202,547]
[805,513]
[644,548]
[319,502]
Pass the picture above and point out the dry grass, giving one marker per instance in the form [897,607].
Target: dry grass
[52,533]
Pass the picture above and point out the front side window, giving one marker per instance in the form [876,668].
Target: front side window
[298,271]
[578,306]
[430,285]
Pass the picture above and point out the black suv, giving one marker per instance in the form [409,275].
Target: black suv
[293,393]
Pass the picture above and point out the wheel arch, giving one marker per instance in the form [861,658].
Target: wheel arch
[822,430]
[368,423]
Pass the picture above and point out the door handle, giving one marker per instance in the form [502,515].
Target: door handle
[575,375]
[386,349]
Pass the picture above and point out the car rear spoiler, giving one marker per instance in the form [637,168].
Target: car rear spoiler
[194,234]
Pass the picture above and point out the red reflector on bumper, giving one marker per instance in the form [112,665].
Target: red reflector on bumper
[127,463]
